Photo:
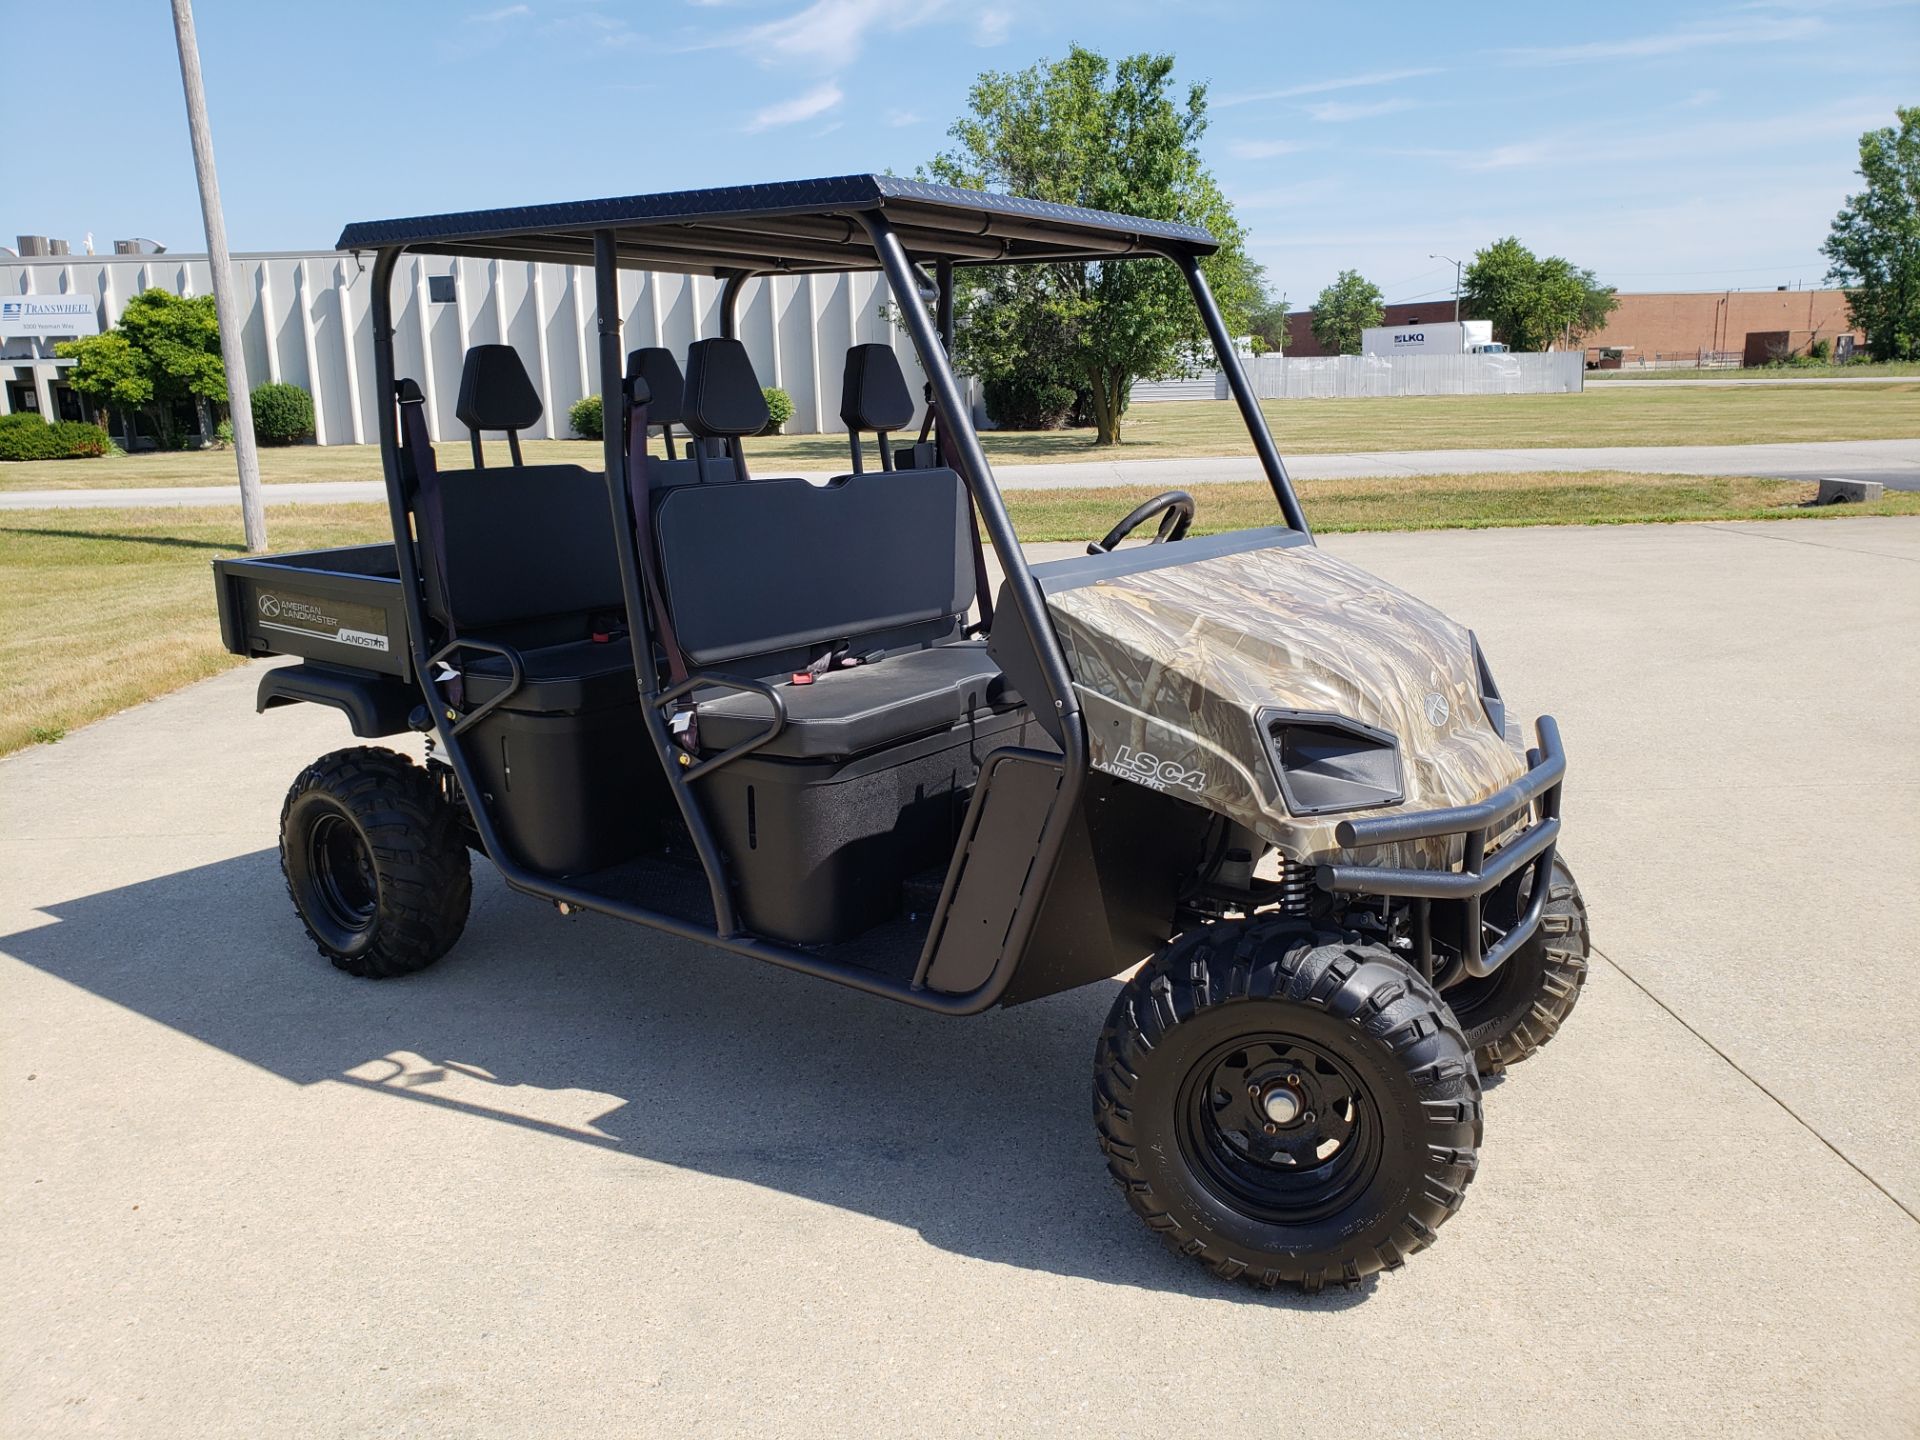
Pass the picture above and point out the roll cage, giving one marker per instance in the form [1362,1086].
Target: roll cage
[849,223]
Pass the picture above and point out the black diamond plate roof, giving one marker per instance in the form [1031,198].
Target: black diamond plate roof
[794,225]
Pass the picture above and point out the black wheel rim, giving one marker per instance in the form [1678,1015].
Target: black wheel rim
[344,885]
[1279,1170]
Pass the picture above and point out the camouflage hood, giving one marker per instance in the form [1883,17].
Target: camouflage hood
[1173,666]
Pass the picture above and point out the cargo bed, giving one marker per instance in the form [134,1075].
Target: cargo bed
[339,607]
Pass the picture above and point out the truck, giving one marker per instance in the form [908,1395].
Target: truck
[1449,337]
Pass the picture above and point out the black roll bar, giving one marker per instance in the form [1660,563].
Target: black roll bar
[1249,403]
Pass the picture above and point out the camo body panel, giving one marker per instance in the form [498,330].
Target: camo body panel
[1172,667]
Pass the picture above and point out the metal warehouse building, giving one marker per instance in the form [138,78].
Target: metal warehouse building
[306,321]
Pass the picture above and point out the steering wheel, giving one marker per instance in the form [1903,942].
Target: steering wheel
[1177,504]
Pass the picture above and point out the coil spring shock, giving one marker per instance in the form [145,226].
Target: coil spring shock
[1296,888]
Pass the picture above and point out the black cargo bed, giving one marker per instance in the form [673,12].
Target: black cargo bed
[340,607]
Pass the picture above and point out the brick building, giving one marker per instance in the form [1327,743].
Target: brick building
[1752,326]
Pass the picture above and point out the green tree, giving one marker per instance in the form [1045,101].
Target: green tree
[1345,308]
[1874,247]
[1266,322]
[165,351]
[1533,301]
[1113,136]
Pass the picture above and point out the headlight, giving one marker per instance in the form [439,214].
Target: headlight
[1490,700]
[1327,763]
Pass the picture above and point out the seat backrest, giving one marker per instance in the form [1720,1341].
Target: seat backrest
[721,402]
[874,396]
[496,394]
[758,571]
[529,552]
[655,367]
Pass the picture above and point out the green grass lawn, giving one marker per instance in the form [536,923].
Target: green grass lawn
[102,609]
[1630,416]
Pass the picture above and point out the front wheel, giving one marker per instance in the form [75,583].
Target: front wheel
[1510,1014]
[1284,1107]
[375,862]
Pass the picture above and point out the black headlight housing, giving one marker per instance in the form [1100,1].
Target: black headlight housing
[1490,700]
[1328,763]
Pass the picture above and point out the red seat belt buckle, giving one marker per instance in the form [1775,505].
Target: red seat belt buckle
[803,677]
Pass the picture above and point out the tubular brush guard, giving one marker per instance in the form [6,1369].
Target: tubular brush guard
[1532,848]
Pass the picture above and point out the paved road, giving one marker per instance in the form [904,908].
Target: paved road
[577,1180]
[1896,463]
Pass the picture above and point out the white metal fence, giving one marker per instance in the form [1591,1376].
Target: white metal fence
[1345,377]
[306,320]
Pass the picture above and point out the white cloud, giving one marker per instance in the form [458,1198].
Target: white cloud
[991,27]
[1264,149]
[899,119]
[1322,87]
[494,17]
[826,32]
[1338,111]
[816,101]
[1699,98]
[1755,31]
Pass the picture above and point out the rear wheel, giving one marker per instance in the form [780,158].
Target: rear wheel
[375,862]
[1510,1014]
[1286,1108]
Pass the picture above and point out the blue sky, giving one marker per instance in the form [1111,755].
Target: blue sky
[1666,146]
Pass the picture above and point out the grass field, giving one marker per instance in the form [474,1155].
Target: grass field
[1630,416]
[102,609]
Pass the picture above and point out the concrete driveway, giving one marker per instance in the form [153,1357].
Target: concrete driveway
[577,1180]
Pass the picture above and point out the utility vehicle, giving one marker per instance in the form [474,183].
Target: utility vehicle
[801,723]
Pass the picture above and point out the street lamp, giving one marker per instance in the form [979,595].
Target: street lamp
[1456,283]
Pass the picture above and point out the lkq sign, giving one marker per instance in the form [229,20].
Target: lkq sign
[31,317]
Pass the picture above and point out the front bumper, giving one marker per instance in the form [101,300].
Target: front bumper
[1532,848]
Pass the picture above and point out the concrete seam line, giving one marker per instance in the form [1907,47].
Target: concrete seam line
[1746,1075]
[1726,529]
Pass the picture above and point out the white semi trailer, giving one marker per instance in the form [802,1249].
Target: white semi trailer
[1443,337]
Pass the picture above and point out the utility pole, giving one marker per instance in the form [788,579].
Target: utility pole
[253,511]
[1456,283]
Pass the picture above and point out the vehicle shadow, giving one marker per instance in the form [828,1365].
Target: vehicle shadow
[976,1133]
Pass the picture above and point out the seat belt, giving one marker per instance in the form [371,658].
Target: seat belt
[982,583]
[640,498]
[418,447]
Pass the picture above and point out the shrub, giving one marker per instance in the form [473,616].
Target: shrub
[1020,402]
[779,409]
[586,419]
[28,437]
[223,433]
[282,414]
[1823,351]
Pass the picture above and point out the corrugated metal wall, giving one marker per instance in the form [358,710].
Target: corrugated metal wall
[1354,377]
[306,321]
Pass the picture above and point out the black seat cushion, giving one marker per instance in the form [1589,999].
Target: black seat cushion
[722,394]
[583,675]
[844,712]
[523,544]
[774,565]
[873,392]
[495,393]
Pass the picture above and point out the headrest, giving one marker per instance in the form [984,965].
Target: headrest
[873,392]
[495,393]
[722,395]
[656,365]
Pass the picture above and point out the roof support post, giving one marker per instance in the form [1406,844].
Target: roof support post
[1250,412]
[730,303]
[1029,603]
[613,436]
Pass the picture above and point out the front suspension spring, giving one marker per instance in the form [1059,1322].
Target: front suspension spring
[1296,887]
